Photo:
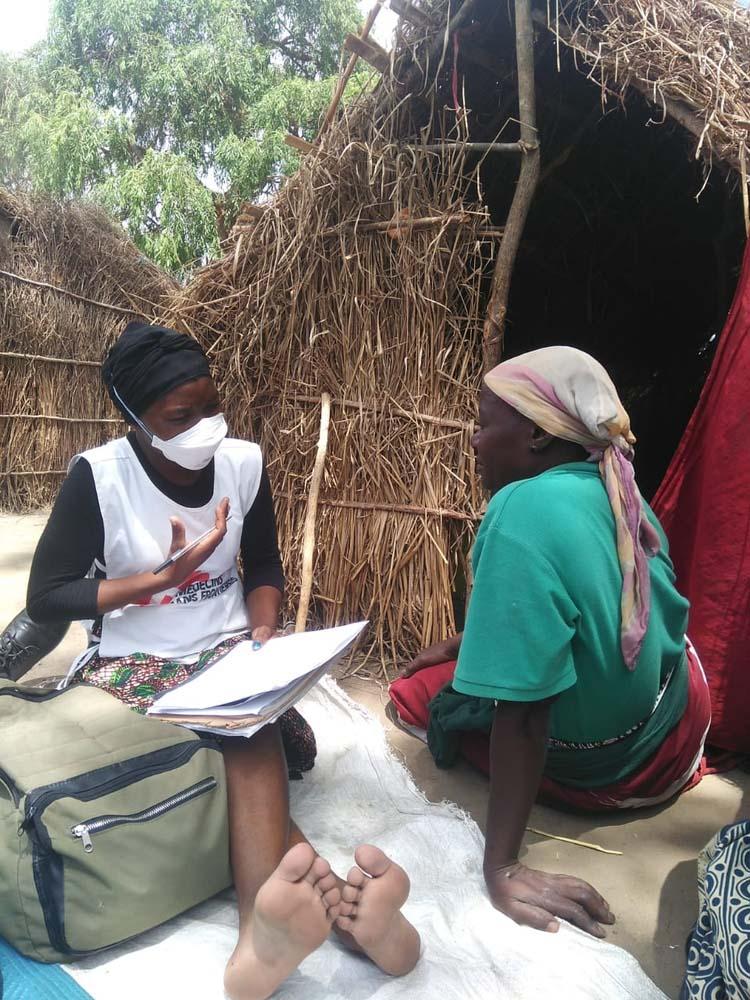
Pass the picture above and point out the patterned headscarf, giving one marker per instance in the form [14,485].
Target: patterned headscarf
[569,394]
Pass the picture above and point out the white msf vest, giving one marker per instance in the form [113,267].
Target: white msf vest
[209,606]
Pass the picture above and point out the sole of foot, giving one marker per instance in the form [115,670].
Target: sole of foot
[370,911]
[293,915]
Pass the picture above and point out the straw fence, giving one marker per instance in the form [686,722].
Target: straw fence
[361,284]
[362,281]
[69,282]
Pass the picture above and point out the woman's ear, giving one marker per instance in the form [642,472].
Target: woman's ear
[540,439]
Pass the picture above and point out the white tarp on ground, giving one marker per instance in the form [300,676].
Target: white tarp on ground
[359,793]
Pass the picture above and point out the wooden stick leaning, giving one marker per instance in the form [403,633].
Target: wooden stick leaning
[349,69]
[308,545]
[527,181]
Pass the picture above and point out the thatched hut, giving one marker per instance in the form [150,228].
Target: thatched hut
[69,281]
[380,273]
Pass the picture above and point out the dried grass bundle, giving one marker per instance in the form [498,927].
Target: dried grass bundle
[690,57]
[51,410]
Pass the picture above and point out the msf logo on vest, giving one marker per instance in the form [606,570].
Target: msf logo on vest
[197,588]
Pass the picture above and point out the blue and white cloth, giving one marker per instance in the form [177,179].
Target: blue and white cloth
[718,960]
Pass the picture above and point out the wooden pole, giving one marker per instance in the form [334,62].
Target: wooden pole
[411,13]
[349,69]
[370,51]
[472,147]
[71,295]
[528,177]
[298,143]
[50,359]
[308,544]
[61,420]
[250,211]
[389,409]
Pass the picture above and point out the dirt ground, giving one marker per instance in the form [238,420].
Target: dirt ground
[651,887]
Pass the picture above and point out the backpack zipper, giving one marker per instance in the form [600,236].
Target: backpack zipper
[83,831]
[156,762]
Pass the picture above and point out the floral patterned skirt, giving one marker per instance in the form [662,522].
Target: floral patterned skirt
[139,678]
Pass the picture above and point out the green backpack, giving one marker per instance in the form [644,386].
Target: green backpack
[110,822]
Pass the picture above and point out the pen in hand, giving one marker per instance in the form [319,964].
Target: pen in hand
[185,549]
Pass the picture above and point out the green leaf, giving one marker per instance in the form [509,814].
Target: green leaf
[170,113]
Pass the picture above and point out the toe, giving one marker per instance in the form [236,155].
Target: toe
[332,897]
[296,863]
[350,894]
[346,909]
[372,860]
[328,881]
[356,877]
[345,923]
[317,870]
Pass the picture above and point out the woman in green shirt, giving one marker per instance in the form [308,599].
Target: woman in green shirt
[574,654]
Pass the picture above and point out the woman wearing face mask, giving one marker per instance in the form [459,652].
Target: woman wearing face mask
[122,511]
[128,505]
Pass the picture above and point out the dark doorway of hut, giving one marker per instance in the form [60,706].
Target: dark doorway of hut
[632,247]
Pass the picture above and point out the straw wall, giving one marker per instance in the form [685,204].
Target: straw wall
[361,280]
[52,338]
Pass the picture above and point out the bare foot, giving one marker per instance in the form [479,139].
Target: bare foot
[293,914]
[371,912]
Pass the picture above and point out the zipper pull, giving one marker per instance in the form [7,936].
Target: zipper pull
[82,832]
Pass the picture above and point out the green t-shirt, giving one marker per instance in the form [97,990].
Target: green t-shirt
[544,615]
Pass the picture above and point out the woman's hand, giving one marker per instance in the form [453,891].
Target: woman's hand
[262,634]
[141,587]
[537,899]
[440,652]
[186,565]
[263,607]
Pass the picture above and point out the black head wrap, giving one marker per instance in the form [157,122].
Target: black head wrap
[149,361]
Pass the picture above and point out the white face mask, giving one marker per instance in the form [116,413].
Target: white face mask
[192,449]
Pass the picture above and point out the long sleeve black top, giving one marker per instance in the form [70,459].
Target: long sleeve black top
[59,588]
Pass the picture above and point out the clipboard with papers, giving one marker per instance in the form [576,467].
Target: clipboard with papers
[246,689]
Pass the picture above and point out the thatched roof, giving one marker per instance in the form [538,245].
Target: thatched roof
[691,58]
[69,281]
[366,278]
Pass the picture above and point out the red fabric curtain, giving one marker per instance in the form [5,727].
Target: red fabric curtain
[704,505]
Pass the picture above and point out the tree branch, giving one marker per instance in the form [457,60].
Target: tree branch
[494,324]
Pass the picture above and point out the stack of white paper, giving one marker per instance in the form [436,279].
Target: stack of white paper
[245,689]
